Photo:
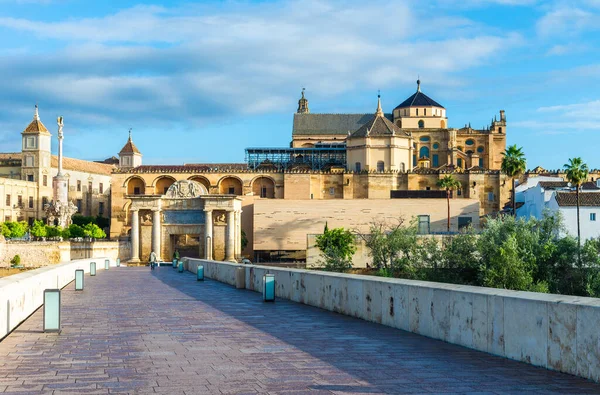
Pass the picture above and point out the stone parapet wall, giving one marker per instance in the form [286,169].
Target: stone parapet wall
[557,332]
[22,294]
[44,253]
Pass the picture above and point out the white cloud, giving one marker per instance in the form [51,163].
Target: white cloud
[566,21]
[198,62]
[565,119]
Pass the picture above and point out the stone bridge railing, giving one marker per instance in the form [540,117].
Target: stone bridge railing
[22,294]
[557,332]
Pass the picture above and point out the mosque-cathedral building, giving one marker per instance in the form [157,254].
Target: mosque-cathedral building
[344,169]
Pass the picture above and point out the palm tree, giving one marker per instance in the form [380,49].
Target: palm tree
[513,165]
[577,173]
[449,183]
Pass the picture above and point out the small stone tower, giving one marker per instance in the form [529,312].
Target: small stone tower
[129,156]
[303,105]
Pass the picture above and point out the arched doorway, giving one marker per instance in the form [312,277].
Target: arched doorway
[136,186]
[162,184]
[201,180]
[263,187]
[230,186]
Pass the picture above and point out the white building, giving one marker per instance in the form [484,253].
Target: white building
[558,196]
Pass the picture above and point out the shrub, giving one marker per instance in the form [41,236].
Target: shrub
[75,231]
[15,261]
[92,230]
[38,229]
[337,248]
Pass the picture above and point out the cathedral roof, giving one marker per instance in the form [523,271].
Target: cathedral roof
[419,99]
[340,124]
[83,166]
[129,147]
[379,125]
[36,126]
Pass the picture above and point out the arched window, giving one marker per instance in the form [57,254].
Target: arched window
[380,166]
[436,146]
[421,123]
[480,149]
[480,162]
[500,129]
[357,167]
[424,152]
[424,111]
[469,142]
[435,162]
[459,162]
[417,111]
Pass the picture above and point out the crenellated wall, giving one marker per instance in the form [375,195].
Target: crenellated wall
[557,332]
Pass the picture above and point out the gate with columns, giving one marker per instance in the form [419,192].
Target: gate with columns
[185,209]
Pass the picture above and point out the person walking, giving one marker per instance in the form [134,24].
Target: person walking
[152,260]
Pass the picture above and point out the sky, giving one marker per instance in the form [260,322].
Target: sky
[198,82]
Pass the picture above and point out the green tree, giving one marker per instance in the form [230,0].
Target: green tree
[14,229]
[92,230]
[38,229]
[395,250]
[5,229]
[75,231]
[337,248]
[449,183]
[513,165]
[506,269]
[53,231]
[577,173]
[244,239]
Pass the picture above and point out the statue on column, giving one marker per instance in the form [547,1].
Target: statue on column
[60,208]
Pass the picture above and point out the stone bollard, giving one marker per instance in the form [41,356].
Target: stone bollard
[240,278]
[180,267]
[106,264]
[92,268]
[79,280]
[269,288]
[200,273]
[174,263]
[118,262]
[51,310]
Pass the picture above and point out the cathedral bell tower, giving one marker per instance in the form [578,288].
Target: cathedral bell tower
[303,105]
[129,156]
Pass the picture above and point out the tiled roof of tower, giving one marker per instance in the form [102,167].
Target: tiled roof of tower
[419,99]
[129,148]
[36,126]
[569,199]
[83,165]
[315,124]
[379,126]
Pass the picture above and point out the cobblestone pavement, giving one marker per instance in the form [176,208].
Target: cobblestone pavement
[137,331]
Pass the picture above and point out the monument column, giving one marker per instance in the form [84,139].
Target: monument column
[208,234]
[135,235]
[156,232]
[230,239]
[238,234]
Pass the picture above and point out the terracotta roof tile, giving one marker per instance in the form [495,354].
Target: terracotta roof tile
[36,126]
[341,124]
[129,148]
[189,168]
[379,126]
[569,199]
[83,165]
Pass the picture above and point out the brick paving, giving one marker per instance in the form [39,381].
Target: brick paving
[137,331]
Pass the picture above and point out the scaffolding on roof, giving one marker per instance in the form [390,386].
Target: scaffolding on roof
[322,157]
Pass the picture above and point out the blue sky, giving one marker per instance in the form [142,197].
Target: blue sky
[200,81]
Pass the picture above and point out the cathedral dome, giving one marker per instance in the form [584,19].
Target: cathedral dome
[419,99]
